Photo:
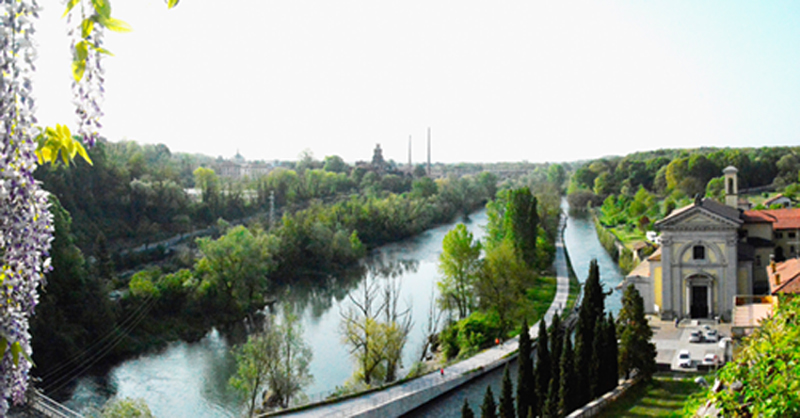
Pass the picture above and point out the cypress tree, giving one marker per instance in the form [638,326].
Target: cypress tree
[550,408]
[556,345]
[543,365]
[507,397]
[598,350]
[635,351]
[525,385]
[488,408]
[566,394]
[592,307]
[611,358]
[466,411]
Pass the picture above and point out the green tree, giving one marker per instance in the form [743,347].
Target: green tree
[525,381]
[488,407]
[592,307]
[502,283]
[276,358]
[507,397]
[543,365]
[335,164]
[459,265]
[556,338]
[609,367]
[234,269]
[466,411]
[768,368]
[126,408]
[567,399]
[636,351]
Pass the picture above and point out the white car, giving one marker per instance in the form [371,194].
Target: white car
[696,336]
[711,336]
[711,359]
[684,359]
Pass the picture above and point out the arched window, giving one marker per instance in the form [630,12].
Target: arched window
[730,186]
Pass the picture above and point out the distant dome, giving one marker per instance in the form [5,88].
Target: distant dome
[730,169]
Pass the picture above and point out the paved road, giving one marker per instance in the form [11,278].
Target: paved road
[485,359]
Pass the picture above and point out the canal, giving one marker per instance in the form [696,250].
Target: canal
[580,239]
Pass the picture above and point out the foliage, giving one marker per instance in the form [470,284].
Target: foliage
[235,267]
[525,381]
[592,307]
[502,283]
[126,408]
[567,399]
[275,358]
[376,343]
[635,350]
[507,396]
[459,265]
[466,411]
[768,368]
[488,407]
[542,373]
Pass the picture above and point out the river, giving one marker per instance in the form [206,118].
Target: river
[582,245]
[191,379]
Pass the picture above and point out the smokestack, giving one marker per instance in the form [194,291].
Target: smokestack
[772,266]
[429,152]
[777,279]
[410,167]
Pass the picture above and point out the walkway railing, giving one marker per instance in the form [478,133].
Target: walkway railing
[42,404]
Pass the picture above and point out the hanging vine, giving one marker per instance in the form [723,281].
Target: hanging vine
[26,228]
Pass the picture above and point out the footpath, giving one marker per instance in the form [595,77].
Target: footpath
[404,397]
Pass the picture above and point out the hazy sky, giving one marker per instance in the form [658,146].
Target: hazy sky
[495,81]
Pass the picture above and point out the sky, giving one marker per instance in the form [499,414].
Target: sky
[494,81]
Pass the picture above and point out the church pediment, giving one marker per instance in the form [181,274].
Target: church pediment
[697,219]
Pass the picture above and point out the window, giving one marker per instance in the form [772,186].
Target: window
[778,235]
[699,252]
[758,260]
[791,235]
[791,249]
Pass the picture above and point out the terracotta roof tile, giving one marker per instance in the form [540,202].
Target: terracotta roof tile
[784,218]
[789,273]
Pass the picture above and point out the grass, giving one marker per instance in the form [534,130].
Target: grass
[660,398]
[628,238]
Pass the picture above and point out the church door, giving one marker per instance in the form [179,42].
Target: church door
[699,307]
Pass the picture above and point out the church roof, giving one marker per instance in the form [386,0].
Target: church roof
[705,205]
[789,273]
[656,256]
[642,270]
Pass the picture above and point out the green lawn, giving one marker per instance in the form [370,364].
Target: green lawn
[628,238]
[660,398]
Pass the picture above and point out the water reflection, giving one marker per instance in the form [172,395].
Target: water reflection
[191,379]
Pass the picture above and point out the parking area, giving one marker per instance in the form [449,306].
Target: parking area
[671,339]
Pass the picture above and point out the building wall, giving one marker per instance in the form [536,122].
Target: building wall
[658,286]
[717,271]
[759,230]
[789,240]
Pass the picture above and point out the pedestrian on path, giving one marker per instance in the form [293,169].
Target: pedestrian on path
[441,371]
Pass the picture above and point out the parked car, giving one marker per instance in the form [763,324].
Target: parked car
[696,336]
[711,359]
[711,336]
[684,359]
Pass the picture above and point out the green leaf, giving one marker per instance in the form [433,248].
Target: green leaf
[102,7]
[172,3]
[3,346]
[70,5]
[79,62]
[81,150]
[86,27]
[102,50]
[15,350]
[113,24]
